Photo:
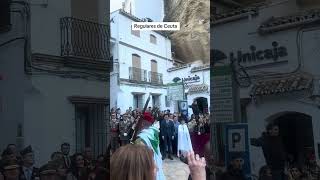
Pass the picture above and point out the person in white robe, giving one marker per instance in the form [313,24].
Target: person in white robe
[184,141]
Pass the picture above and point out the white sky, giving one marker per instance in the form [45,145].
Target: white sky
[115,4]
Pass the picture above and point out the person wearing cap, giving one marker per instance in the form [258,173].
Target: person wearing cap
[124,128]
[11,170]
[167,135]
[28,171]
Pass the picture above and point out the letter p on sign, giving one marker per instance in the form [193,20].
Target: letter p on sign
[236,140]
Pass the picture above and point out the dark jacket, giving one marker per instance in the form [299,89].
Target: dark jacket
[273,150]
[34,175]
[232,174]
[167,129]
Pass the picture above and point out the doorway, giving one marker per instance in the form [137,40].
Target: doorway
[202,104]
[297,134]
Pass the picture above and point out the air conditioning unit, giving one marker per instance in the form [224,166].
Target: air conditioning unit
[5,18]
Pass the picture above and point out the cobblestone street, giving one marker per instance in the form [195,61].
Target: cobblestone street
[175,169]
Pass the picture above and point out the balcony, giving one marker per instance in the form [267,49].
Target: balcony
[155,78]
[84,39]
[137,74]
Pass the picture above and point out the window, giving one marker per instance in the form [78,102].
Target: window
[167,101]
[138,101]
[135,33]
[91,117]
[153,39]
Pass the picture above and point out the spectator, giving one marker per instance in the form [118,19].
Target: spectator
[56,156]
[234,170]
[11,170]
[87,154]
[134,161]
[195,109]
[65,149]
[265,173]
[273,150]
[295,173]
[49,172]
[140,165]
[79,171]
[312,168]
[28,171]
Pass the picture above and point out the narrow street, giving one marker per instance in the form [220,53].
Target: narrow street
[175,169]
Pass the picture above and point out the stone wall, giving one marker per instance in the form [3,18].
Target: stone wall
[192,41]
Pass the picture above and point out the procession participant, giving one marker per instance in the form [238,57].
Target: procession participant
[28,171]
[167,135]
[124,128]
[184,141]
[147,133]
[114,125]
[175,141]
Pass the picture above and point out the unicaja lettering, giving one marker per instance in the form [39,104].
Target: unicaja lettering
[255,55]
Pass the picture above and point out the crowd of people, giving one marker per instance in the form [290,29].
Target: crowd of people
[281,165]
[123,124]
[16,165]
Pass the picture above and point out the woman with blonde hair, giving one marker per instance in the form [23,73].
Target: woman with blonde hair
[133,162]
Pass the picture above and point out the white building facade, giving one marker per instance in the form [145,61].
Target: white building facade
[144,66]
[280,56]
[142,58]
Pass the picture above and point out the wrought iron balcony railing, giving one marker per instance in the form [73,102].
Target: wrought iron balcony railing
[155,78]
[84,39]
[137,74]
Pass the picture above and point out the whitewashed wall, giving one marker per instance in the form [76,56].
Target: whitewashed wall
[125,96]
[229,40]
[49,115]
[121,30]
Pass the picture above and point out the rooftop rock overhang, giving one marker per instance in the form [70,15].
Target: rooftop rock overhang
[277,86]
